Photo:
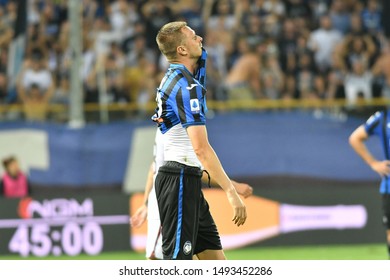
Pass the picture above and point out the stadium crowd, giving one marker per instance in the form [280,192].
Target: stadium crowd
[258,49]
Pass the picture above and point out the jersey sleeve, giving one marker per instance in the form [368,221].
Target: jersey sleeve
[373,124]
[189,106]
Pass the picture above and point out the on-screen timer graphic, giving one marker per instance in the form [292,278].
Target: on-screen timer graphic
[56,236]
[56,251]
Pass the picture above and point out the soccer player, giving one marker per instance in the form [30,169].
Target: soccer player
[187,226]
[13,183]
[378,124]
[149,208]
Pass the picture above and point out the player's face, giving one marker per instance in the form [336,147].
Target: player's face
[13,168]
[193,42]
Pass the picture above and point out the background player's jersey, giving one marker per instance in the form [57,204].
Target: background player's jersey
[181,103]
[379,124]
[154,239]
[158,153]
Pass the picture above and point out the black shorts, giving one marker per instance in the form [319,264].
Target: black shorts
[187,225]
[386,210]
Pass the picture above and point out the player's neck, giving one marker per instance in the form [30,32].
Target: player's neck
[190,64]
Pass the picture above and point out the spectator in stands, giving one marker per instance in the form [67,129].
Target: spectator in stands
[61,94]
[140,49]
[216,65]
[322,42]
[382,68]
[35,86]
[259,10]
[226,24]
[155,13]
[254,29]
[102,34]
[3,88]
[3,66]
[357,28]
[358,83]
[222,17]
[272,26]
[310,84]
[138,30]
[34,39]
[287,45]
[243,13]
[275,7]
[243,80]
[340,16]
[90,10]
[91,91]
[6,28]
[298,9]
[355,47]
[190,12]
[14,182]
[114,74]
[121,17]
[271,77]
[140,71]
[290,87]
[371,17]
[140,81]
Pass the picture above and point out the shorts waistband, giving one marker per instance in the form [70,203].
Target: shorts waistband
[176,167]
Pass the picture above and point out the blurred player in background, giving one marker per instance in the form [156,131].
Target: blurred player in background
[378,124]
[187,226]
[149,208]
[14,182]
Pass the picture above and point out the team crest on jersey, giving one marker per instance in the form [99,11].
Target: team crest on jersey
[195,107]
[187,248]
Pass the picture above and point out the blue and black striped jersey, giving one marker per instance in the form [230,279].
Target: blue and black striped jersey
[379,124]
[181,97]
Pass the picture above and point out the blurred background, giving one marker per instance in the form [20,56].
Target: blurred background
[287,82]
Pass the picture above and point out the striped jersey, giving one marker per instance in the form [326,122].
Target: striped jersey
[379,124]
[181,102]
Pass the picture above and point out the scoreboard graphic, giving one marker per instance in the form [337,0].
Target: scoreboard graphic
[64,225]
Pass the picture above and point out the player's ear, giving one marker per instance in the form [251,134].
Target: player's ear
[181,50]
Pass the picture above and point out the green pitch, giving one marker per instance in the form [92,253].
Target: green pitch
[334,252]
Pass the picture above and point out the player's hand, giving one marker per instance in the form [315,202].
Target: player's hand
[238,206]
[243,189]
[139,217]
[381,167]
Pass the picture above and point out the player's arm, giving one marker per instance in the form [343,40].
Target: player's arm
[140,215]
[210,161]
[357,141]
[241,188]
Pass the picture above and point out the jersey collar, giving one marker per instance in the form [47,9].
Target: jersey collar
[174,66]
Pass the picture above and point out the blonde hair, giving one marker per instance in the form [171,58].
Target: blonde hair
[170,37]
